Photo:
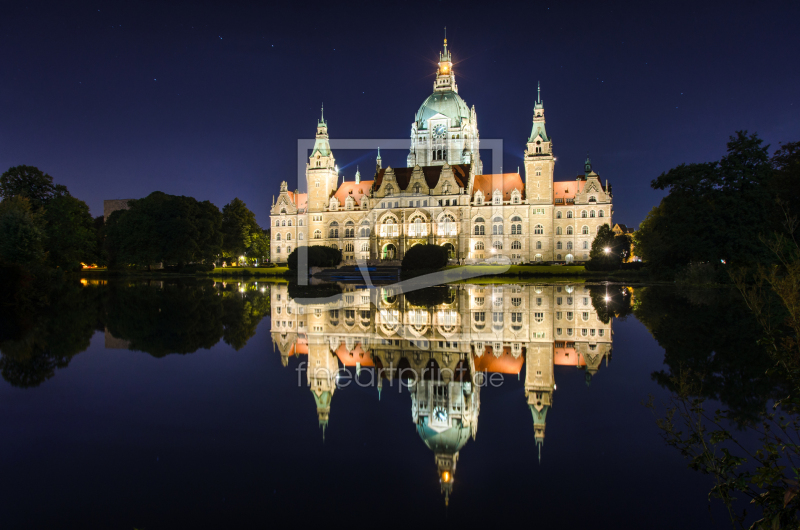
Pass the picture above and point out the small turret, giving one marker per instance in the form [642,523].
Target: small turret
[378,165]
[587,166]
[358,176]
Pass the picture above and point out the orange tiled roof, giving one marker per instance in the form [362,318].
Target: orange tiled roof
[505,364]
[350,358]
[299,199]
[568,357]
[505,182]
[357,191]
[567,189]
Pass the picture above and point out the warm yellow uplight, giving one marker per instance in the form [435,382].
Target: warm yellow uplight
[446,476]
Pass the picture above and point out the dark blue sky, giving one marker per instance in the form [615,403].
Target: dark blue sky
[208,99]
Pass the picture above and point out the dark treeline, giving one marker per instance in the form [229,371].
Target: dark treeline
[158,318]
[718,214]
[43,228]
[708,335]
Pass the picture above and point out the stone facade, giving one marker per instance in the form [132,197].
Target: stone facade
[443,197]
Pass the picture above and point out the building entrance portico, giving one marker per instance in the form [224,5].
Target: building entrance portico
[389,251]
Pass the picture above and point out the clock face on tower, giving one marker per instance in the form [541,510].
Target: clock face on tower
[439,130]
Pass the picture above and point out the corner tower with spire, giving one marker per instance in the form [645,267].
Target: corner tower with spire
[321,172]
[539,160]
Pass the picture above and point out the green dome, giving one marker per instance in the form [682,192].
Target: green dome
[448,103]
[449,442]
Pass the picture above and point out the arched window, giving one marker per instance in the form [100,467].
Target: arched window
[558,256]
[349,247]
[290,222]
[317,234]
[516,245]
[591,214]
[288,237]
[480,230]
[538,245]
[569,230]
[601,214]
[284,222]
[569,215]
[583,214]
[558,230]
[592,199]
[389,228]
[569,245]
[558,215]
[479,245]
[585,245]
[516,229]
[497,197]
[497,245]
[277,237]
[417,188]
[585,230]
[447,225]
[299,222]
[300,236]
[558,245]
[389,189]
[538,229]
[365,247]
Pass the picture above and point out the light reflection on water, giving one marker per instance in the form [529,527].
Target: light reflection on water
[272,398]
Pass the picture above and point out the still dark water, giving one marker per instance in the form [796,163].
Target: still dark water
[192,405]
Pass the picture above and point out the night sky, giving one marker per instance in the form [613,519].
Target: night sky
[208,99]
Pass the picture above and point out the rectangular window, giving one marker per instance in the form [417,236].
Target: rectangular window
[558,331]
[559,300]
[569,300]
[585,300]
[601,332]
[538,301]
[558,315]
[538,335]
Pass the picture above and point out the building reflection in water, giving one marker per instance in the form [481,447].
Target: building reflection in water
[445,350]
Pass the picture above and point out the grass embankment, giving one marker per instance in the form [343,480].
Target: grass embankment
[246,271]
[219,272]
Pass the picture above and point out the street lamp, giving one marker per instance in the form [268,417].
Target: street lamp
[606,250]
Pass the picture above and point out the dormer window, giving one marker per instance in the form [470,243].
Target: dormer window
[497,197]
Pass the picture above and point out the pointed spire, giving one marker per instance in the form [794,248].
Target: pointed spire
[539,92]
[358,176]
[322,116]
[540,453]
[378,164]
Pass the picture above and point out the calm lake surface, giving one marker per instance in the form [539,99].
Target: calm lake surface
[200,404]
